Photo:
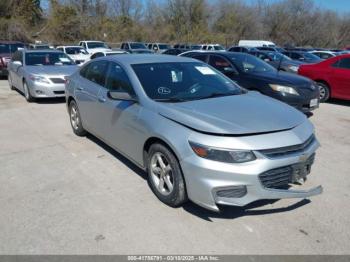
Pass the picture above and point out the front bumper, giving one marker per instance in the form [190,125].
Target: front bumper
[240,184]
[42,90]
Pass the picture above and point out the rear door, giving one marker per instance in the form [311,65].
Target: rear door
[340,79]
[92,79]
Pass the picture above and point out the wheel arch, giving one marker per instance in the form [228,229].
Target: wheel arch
[326,83]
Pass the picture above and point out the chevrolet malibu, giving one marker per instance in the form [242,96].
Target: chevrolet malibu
[40,73]
[198,135]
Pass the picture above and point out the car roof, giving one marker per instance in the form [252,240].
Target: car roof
[78,46]
[146,58]
[41,51]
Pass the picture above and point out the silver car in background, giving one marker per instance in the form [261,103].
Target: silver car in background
[40,73]
[198,135]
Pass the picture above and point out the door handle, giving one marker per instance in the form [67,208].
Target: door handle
[101,99]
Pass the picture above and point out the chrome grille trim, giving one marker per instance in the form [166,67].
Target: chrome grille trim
[282,151]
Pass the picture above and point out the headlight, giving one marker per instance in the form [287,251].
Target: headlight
[222,155]
[284,89]
[39,79]
[294,68]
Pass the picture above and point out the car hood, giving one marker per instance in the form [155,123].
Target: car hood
[64,70]
[280,77]
[246,114]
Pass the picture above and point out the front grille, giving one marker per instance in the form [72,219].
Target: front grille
[283,151]
[57,80]
[233,192]
[58,92]
[283,176]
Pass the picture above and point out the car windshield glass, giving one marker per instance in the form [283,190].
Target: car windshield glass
[164,46]
[42,47]
[275,56]
[75,51]
[196,47]
[92,45]
[49,58]
[311,56]
[251,64]
[178,82]
[218,47]
[137,46]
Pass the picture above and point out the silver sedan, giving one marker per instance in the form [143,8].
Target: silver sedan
[198,135]
[40,73]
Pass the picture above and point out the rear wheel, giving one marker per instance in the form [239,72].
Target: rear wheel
[27,94]
[75,119]
[165,176]
[324,91]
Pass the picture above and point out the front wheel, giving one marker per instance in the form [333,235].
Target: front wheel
[9,79]
[27,94]
[75,119]
[324,91]
[165,176]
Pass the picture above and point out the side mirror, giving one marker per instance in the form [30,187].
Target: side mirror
[124,96]
[155,48]
[17,63]
[230,71]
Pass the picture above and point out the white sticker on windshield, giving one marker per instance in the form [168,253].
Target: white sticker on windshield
[64,59]
[164,90]
[205,70]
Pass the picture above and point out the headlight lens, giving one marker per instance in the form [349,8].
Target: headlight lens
[222,155]
[39,79]
[284,89]
[294,68]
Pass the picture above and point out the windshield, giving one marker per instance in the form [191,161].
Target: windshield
[195,47]
[310,56]
[164,46]
[218,47]
[75,51]
[137,46]
[275,56]
[10,48]
[251,64]
[92,45]
[49,58]
[178,82]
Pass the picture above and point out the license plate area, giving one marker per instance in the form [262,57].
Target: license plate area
[314,102]
[301,170]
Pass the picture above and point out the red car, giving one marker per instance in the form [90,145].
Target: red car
[7,48]
[331,75]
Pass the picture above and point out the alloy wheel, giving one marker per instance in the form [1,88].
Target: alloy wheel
[162,174]
[74,117]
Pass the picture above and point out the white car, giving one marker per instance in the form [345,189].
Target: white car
[324,54]
[108,53]
[212,47]
[94,46]
[78,54]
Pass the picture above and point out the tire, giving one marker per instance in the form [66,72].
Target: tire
[9,79]
[324,91]
[27,94]
[165,176]
[75,119]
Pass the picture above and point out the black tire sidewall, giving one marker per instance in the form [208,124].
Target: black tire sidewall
[178,196]
[80,131]
[327,92]
[30,98]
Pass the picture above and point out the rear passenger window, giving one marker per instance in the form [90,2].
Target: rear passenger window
[96,72]
[343,63]
[200,57]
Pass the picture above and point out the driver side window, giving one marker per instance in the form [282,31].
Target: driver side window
[117,80]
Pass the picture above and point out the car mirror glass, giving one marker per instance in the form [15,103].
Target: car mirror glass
[124,96]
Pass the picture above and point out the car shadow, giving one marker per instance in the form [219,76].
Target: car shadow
[226,212]
[232,212]
[339,102]
[118,156]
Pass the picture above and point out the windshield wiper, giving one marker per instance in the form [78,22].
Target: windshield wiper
[171,99]
[213,95]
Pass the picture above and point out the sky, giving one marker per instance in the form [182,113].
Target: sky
[341,6]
